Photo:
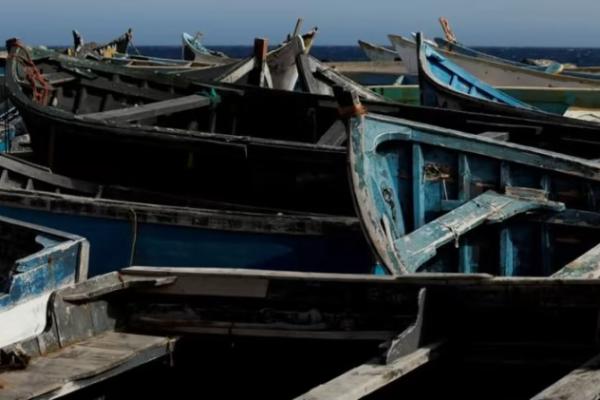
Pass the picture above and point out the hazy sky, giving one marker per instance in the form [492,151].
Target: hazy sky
[482,22]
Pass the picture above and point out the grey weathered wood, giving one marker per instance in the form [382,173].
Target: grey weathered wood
[370,377]
[308,81]
[81,365]
[501,136]
[581,384]
[587,266]
[237,73]
[151,110]
[336,135]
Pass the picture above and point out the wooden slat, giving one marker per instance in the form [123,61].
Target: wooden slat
[368,378]
[126,89]
[78,366]
[501,136]
[335,136]
[151,110]
[581,384]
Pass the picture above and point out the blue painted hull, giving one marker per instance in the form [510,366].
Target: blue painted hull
[35,261]
[118,242]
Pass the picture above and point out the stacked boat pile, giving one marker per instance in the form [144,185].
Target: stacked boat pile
[274,197]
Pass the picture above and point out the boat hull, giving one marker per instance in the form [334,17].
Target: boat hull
[123,234]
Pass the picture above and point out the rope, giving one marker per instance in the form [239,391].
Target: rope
[134,237]
[33,75]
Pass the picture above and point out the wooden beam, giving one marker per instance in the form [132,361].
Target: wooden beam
[336,135]
[261,48]
[581,384]
[151,110]
[501,136]
[370,377]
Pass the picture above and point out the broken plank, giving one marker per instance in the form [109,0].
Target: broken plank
[581,384]
[370,377]
[151,110]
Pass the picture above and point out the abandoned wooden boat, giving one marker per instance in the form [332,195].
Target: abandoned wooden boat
[35,262]
[378,53]
[124,233]
[262,161]
[436,200]
[114,47]
[194,50]
[411,330]
[445,84]
[495,73]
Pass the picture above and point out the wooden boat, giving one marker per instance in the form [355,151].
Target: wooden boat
[116,46]
[411,330]
[378,53]
[194,50]
[125,233]
[130,226]
[559,101]
[495,73]
[445,84]
[35,262]
[253,160]
[436,200]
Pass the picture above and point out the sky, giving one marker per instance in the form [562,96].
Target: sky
[572,23]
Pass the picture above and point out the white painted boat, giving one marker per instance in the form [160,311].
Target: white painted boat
[378,53]
[495,73]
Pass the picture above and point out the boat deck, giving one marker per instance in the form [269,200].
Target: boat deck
[80,365]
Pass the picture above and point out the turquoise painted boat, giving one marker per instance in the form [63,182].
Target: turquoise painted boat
[34,262]
[194,50]
[445,84]
[437,200]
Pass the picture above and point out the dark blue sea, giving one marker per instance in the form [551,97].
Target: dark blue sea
[580,56]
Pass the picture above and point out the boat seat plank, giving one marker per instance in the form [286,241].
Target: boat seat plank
[151,110]
[581,384]
[501,136]
[370,377]
[82,364]
[335,136]
[418,247]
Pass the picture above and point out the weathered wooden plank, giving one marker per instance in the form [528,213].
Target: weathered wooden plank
[78,366]
[586,266]
[501,136]
[151,110]
[370,377]
[336,135]
[127,89]
[581,384]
